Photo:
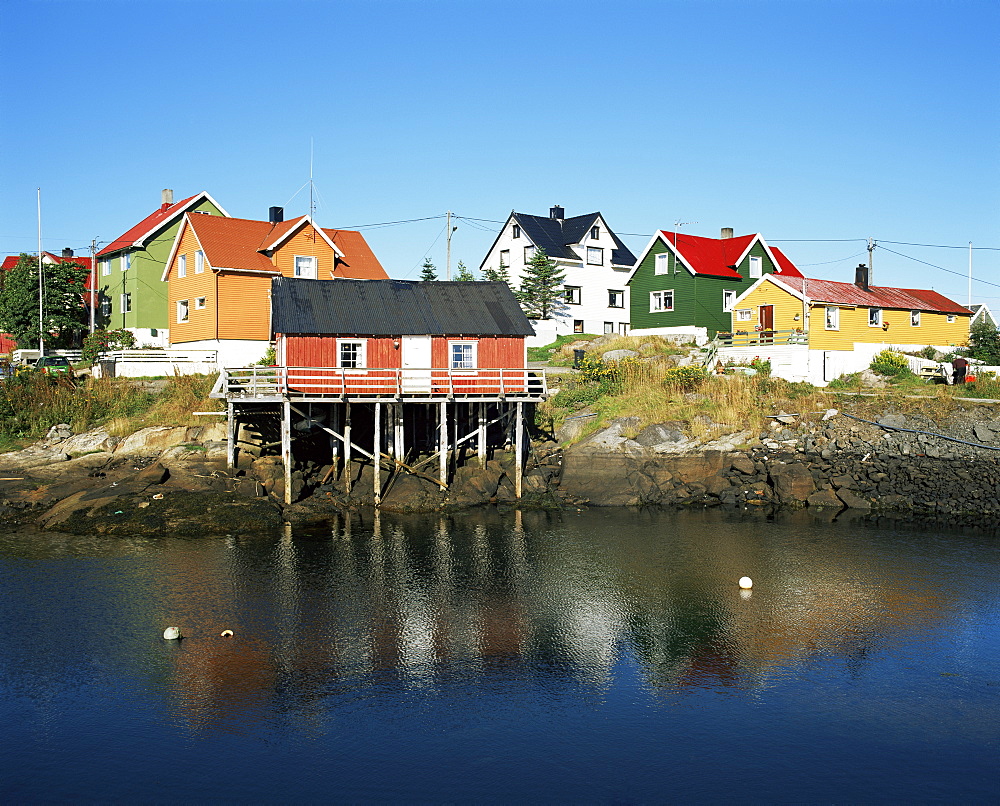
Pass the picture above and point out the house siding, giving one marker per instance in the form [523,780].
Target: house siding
[305,242]
[201,323]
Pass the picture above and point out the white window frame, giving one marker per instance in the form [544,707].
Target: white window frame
[105,308]
[756,267]
[200,303]
[624,328]
[572,294]
[744,314]
[126,302]
[199,262]
[182,265]
[297,270]
[529,253]
[183,310]
[952,318]
[657,302]
[874,317]
[662,263]
[613,295]
[595,256]
[504,263]
[914,318]
[831,317]
[728,300]
[126,261]
[361,355]
[466,363]
[105,267]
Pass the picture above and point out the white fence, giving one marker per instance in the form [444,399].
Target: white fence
[156,363]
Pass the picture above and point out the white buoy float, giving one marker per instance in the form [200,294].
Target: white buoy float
[746,583]
[171,634]
[226,634]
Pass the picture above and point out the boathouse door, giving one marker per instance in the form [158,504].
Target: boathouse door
[416,361]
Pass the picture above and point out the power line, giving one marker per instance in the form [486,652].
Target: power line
[392,223]
[941,268]
[943,246]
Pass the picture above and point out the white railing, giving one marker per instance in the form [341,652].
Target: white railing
[411,384]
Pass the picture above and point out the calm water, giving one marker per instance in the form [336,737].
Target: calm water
[595,657]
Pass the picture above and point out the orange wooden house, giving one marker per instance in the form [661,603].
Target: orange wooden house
[219,276]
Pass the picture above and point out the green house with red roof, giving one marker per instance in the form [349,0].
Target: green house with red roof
[685,285]
[129,270]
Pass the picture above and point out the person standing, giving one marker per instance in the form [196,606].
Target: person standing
[960,365]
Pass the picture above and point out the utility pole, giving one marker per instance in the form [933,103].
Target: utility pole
[447,263]
[970,275]
[93,284]
[871,248]
[41,291]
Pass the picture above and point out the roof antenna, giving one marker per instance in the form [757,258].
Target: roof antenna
[312,203]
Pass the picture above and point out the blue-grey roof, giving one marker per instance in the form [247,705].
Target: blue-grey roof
[556,235]
[395,308]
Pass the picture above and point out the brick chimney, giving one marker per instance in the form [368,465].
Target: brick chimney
[727,232]
[861,277]
[166,197]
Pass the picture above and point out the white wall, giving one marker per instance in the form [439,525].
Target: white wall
[232,352]
[144,337]
[683,334]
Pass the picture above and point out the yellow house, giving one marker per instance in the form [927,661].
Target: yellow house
[848,316]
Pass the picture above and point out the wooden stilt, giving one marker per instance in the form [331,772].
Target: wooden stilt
[481,436]
[286,448]
[377,461]
[518,449]
[443,442]
[347,446]
[231,429]
[334,443]
[398,445]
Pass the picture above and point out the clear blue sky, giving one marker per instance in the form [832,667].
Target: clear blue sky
[804,121]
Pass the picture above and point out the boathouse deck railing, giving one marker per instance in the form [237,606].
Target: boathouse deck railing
[337,383]
[761,337]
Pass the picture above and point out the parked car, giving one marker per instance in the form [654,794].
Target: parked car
[55,365]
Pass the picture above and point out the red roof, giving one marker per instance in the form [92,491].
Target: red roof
[234,243]
[151,222]
[911,299]
[10,261]
[717,256]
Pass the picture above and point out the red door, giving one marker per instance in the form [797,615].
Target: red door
[767,324]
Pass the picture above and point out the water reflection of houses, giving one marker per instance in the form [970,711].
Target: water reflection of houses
[424,601]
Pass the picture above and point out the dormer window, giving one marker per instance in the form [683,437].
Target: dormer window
[595,233]
[305,267]
[515,231]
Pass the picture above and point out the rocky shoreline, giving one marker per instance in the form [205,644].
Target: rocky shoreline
[166,480]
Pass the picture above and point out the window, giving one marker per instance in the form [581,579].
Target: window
[756,266]
[126,261]
[529,253]
[572,293]
[951,319]
[199,262]
[200,303]
[504,258]
[578,326]
[105,306]
[744,314]
[661,301]
[662,265]
[616,299]
[182,266]
[609,327]
[623,328]
[874,317]
[463,354]
[595,233]
[915,318]
[105,268]
[182,310]
[350,353]
[595,256]
[832,317]
[126,302]
[305,267]
[515,231]
[728,300]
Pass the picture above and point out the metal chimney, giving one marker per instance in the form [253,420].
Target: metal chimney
[166,197]
[861,277]
[557,212]
[276,215]
[727,232]
[67,252]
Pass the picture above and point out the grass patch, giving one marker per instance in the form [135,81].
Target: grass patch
[546,352]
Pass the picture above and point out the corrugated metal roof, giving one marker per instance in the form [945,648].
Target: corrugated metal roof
[395,308]
[914,299]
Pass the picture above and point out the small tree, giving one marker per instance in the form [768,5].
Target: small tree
[500,275]
[104,341]
[427,272]
[541,287]
[64,315]
[462,273]
[984,343]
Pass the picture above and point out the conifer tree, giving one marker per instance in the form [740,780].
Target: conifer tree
[541,286]
[500,275]
[427,271]
[463,273]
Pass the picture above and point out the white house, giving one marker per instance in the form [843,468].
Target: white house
[596,265]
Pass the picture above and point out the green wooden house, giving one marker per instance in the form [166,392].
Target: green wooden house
[129,270]
[685,285]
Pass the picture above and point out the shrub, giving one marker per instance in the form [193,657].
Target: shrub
[890,363]
[685,378]
[762,365]
[103,341]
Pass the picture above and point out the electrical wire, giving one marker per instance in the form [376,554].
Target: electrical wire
[941,268]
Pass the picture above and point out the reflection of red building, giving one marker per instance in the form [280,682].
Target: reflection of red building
[7,343]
